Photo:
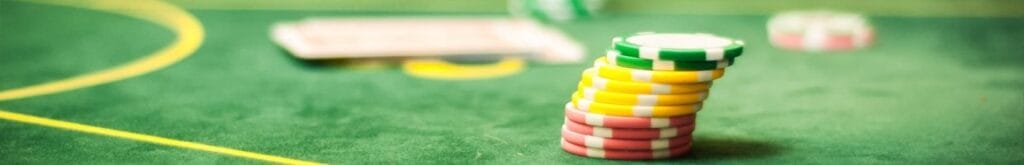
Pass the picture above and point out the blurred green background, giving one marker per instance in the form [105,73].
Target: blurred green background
[941,85]
[910,8]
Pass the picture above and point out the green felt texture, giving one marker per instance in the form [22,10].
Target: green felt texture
[930,91]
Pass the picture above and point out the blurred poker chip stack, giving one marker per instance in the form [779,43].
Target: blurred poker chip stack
[638,102]
[554,10]
[819,31]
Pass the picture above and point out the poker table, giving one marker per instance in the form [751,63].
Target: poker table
[97,87]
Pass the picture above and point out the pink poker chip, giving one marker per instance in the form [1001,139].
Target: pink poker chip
[624,144]
[629,133]
[624,154]
[827,43]
[820,30]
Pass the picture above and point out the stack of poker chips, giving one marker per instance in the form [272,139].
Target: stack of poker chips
[817,31]
[639,101]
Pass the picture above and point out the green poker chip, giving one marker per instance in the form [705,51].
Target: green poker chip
[554,10]
[616,58]
[678,46]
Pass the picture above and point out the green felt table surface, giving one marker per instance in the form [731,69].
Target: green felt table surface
[929,91]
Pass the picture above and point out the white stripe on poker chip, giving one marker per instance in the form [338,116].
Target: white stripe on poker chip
[612,53]
[594,152]
[583,104]
[660,154]
[668,132]
[660,89]
[639,75]
[663,65]
[611,58]
[594,119]
[704,75]
[589,93]
[598,83]
[660,122]
[591,141]
[616,40]
[815,37]
[649,52]
[660,143]
[646,100]
[714,54]
[643,111]
[602,132]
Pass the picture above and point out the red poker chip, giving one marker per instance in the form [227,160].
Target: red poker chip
[584,117]
[624,154]
[629,133]
[623,144]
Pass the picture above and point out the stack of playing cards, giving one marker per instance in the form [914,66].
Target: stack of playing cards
[342,38]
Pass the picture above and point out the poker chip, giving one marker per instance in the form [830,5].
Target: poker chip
[589,78]
[616,58]
[626,74]
[819,30]
[580,116]
[633,110]
[555,10]
[628,133]
[678,46]
[624,154]
[640,99]
[835,43]
[623,144]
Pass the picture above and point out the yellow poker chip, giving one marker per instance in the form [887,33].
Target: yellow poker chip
[597,82]
[634,111]
[640,99]
[625,74]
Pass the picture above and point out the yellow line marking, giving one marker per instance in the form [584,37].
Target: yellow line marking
[189,37]
[144,138]
[188,29]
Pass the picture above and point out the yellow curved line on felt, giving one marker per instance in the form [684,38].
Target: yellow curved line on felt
[440,69]
[189,37]
[144,138]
